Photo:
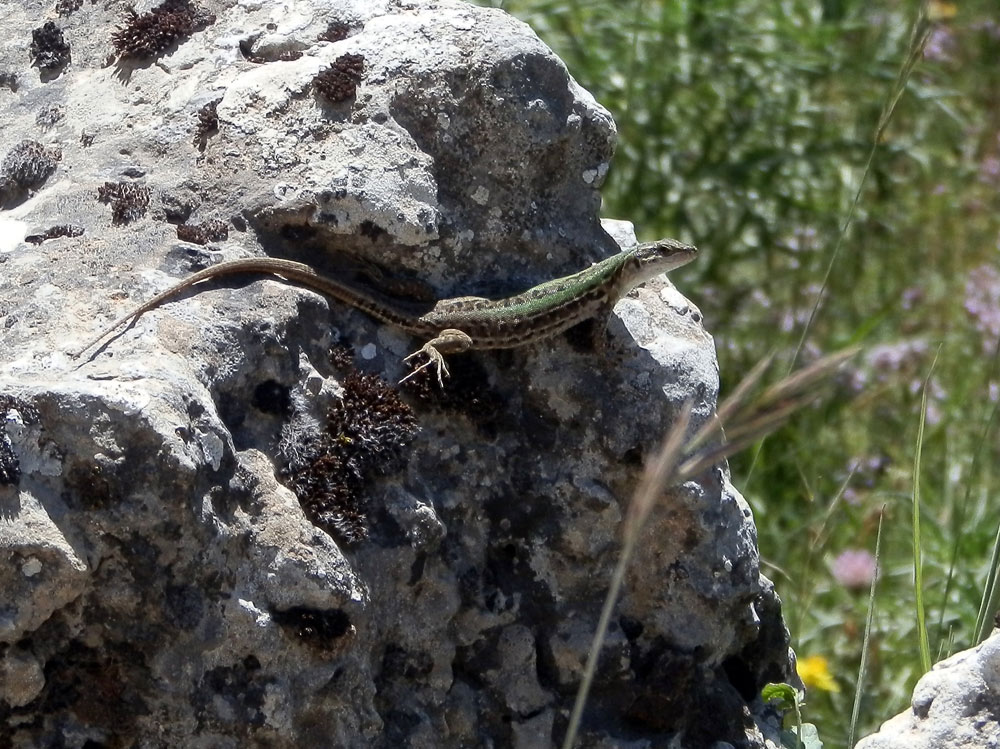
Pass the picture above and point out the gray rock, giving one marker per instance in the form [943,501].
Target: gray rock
[163,584]
[955,705]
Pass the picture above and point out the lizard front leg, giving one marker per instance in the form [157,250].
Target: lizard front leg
[598,331]
[450,341]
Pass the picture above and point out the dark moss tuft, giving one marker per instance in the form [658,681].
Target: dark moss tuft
[147,35]
[342,357]
[10,467]
[22,411]
[340,81]
[203,233]
[128,200]
[208,124]
[49,116]
[53,232]
[25,167]
[335,32]
[365,436]
[65,7]
[49,50]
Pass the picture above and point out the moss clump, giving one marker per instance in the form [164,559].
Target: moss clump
[25,167]
[329,468]
[141,36]
[49,50]
[340,81]
[128,200]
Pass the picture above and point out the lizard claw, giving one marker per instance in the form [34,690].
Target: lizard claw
[434,358]
[449,341]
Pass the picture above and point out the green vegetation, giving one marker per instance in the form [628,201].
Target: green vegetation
[745,127]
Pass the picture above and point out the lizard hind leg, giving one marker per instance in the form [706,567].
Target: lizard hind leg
[450,341]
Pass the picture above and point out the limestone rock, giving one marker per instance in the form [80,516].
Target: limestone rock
[955,705]
[216,532]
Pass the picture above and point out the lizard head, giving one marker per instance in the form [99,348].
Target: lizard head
[650,259]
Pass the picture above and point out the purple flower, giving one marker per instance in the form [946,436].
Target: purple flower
[912,297]
[982,302]
[935,396]
[864,470]
[989,169]
[803,238]
[940,45]
[854,568]
[760,299]
[897,357]
[989,26]
[898,363]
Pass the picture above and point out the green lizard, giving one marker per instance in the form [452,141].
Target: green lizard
[463,323]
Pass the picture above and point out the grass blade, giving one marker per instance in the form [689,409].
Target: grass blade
[656,476]
[676,462]
[958,524]
[918,577]
[918,39]
[863,666]
[989,599]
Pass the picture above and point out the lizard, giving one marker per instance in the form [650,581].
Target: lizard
[470,322]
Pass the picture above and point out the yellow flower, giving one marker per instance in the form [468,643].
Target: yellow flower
[941,10]
[814,670]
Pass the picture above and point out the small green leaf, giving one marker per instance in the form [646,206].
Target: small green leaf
[784,694]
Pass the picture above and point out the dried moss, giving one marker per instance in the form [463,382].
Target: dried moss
[49,50]
[65,7]
[340,81]
[208,123]
[22,411]
[203,233]
[365,436]
[25,167]
[335,32]
[128,200]
[49,116]
[141,36]
[53,232]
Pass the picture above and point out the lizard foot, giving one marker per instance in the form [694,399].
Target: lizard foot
[434,358]
[449,341]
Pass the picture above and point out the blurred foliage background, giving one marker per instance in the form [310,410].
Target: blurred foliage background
[745,127]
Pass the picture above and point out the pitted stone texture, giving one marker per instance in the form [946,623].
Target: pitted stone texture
[956,705]
[163,586]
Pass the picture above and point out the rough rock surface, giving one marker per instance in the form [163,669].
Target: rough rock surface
[163,585]
[956,705]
